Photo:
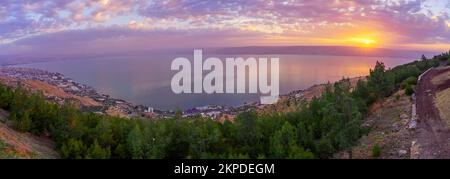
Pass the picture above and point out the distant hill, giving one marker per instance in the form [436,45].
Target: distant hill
[255,50]
[323,50]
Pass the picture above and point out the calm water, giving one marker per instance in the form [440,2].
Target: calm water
[146,79]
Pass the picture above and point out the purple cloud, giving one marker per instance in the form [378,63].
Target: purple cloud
[400,17]
[105,23]
[118,40]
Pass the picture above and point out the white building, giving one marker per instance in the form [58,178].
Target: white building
[149,110]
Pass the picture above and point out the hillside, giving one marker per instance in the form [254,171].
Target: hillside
[18,145]
[50,91]
[323,50]
[395,133]
[390,130]
[291,102]
[433,106]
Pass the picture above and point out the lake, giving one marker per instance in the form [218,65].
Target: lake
[146,79]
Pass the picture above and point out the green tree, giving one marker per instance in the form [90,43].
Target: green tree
[283,140]
[423,58]
[121,151]
[246,133]
[204,137]
[5,96]
[23,123]
[380,82]
[97,152]
[135,143]
[73,149]
[296,152]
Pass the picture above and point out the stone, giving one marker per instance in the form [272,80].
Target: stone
[412,124]
[403,116]
[402,152]
[395,127]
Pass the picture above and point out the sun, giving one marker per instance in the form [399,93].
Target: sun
[367,41]
[363,41]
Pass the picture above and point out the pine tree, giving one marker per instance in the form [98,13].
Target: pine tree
[423,58]
[135,143]
[296,152]
[97,152]
[380,82]
[25,123]
[282,141]
[73,149]
[120,152]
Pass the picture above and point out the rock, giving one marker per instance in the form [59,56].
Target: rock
[395,127]
[404,116]
[415,150]
[402,152]
[412,124]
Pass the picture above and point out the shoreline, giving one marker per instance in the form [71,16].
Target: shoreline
[118,107]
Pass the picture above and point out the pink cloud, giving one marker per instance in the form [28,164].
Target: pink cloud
[37,21]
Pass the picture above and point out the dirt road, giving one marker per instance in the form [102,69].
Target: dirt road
[433,133]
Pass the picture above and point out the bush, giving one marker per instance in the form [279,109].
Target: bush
[448,62]
[376,151]
[397,97]
[410,81]
[409,90]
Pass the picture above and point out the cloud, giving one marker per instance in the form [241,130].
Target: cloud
[398,21]
[122,39]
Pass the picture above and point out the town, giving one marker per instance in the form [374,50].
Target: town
[114,106]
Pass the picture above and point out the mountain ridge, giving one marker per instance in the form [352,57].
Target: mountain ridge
[324,50]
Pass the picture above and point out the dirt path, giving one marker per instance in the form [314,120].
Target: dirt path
[433,133]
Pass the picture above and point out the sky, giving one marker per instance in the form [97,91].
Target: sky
[105,26]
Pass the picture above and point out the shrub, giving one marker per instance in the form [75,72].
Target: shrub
[376,151]
[411,81]
[397,97]
[409,89]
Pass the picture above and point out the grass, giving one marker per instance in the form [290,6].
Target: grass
[442,102]
[376,151]
[441,79]
[4,151]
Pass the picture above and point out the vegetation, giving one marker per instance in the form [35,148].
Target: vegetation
[409,89]
[5,152]
[409,81]
[318,129]
[376,151]
[2,147]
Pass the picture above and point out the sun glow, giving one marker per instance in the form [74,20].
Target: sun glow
[364,42]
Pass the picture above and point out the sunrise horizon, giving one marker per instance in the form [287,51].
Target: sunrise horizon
[109,26]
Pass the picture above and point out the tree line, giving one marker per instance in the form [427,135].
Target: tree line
[318,129]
